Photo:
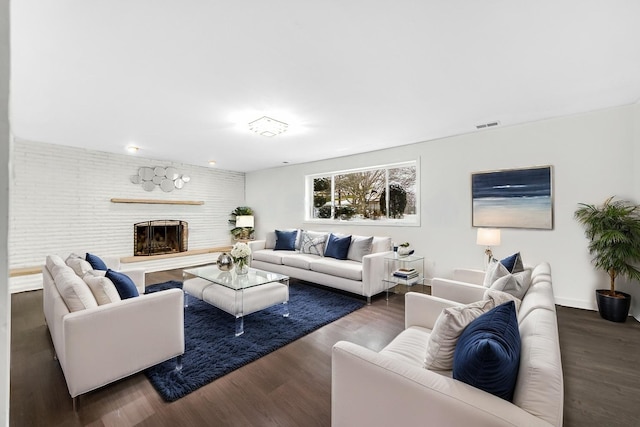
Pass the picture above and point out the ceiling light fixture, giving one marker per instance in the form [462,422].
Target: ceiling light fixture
[266,126]
[212,162]
[132,149]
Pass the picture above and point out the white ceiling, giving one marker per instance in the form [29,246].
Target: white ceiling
[182,79]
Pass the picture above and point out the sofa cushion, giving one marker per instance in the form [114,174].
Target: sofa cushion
[74,291]
[124,285]
[515,284]
[270,238]
[446,331]
[487,355]
[500,297]
[298,260]
[96,262]
[103,289]
[347,269]
[359,247]
[78,264]
[337,246]
[268,255]
[408,346]
[313,243]
[495,270]
[285,240]
[513,263]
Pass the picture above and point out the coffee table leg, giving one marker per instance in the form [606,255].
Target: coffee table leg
[239,325]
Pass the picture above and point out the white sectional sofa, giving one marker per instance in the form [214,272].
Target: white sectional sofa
[392,387]
[361,275]
[98,342]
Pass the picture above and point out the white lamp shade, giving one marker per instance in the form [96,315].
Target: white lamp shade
[244,221]
[488,236]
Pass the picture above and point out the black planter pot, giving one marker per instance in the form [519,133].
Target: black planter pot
[615,309]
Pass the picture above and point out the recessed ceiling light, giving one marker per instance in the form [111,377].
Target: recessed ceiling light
[266,126]
[212,162]
[132,149]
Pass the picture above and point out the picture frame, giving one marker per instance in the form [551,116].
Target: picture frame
[513,198]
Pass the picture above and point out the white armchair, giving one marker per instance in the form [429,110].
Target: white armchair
[96,346]
[465,287]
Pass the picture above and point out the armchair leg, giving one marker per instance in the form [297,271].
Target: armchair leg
[76,403]
[368,300]
[179,363]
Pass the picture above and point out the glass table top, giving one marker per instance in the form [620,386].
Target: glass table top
[232,280]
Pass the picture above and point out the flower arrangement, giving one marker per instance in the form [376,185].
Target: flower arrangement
[240,254]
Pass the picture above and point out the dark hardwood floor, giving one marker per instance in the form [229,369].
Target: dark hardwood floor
[292,386]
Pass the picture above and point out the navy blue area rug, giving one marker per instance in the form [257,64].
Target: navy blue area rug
[212,350]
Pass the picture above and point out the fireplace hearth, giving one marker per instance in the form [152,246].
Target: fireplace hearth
[160,237]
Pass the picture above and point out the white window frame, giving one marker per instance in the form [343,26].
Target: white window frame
[412,220]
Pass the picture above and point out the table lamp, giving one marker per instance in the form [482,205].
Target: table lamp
[245,222]
[488,237]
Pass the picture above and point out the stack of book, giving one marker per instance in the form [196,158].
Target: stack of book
[411,275]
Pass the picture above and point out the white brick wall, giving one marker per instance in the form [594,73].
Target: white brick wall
[60,202]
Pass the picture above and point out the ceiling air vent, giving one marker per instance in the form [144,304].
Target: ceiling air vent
[488,125]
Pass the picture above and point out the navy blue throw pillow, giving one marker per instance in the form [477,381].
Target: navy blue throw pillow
[286,240]
[487,355]
[123,283]
[96,262]
[513,263]
[337,247]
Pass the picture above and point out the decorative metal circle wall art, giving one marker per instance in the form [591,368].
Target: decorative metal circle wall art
[166,178]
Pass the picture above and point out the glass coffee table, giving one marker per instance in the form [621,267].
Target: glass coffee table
[238,295]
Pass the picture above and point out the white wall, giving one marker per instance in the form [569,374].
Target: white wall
[61,203]
[5,150]
[591,155]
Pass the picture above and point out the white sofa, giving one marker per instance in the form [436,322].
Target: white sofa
[391,387]
[362,278]
[98,345]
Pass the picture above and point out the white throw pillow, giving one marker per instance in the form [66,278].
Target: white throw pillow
[515,284]
[495,270]
[446,331]
[313,243]
[500,298]
[102,288]
[74,291]
[79,264]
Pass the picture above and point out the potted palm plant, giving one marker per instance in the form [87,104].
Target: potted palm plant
[613,230]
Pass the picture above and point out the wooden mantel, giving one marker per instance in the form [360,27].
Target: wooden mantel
[158,202]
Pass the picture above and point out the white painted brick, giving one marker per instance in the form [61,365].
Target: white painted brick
[60,202]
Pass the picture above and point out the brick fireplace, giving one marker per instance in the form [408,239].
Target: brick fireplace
[160,237]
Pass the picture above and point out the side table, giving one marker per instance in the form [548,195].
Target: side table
[405,270]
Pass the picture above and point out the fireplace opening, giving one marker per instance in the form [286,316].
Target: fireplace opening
[160,237]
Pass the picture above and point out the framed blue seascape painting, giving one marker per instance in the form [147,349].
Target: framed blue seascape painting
[513,198]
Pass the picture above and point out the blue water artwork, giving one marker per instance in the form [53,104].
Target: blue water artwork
[516,198]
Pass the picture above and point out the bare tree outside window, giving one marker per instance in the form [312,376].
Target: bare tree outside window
[376,194]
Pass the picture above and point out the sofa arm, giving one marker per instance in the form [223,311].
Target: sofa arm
[373,273]
[371,389]
[469,275]
[138,277]
[423,310]
[257,245]
[453,290]
[115,340]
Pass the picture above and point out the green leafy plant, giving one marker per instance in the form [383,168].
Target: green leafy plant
[613,230]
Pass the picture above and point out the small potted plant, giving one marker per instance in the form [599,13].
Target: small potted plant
[404,250]
[613,230]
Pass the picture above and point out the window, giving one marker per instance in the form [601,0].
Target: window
[385,194]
